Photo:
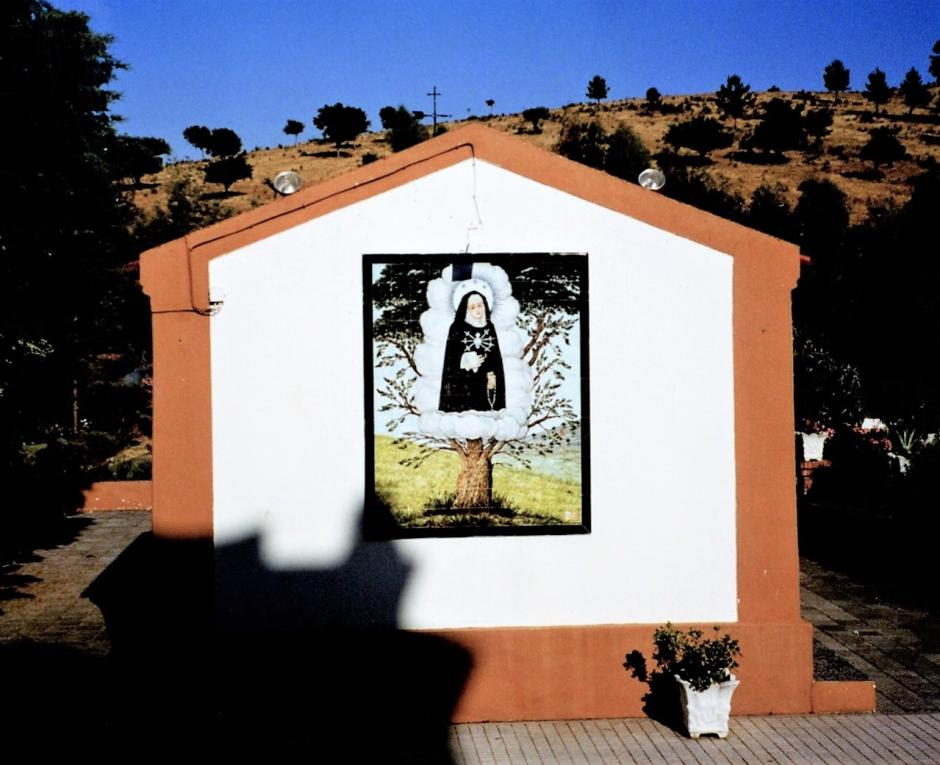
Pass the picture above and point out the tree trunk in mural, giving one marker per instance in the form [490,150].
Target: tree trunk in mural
[475,481]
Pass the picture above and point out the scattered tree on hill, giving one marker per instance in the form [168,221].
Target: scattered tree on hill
[228,170]
[620,153]
[836,78]
[224,142]
[700,134]
[734,98]
[597,89]
[294,128]
[769,211]
[883,148]
[490,103]
[818,123]
[626,156]
[199,136]
[535,115]
[913,90]
[934,66]
[781,128]
[404,129]
[135,157]
[340,123]
[584,142]
[653,98]
[877,89]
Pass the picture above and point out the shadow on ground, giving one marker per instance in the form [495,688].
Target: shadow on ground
[301,661]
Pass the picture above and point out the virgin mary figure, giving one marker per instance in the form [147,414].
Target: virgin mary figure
[472,378]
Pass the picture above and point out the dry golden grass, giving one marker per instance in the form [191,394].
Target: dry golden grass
[316,161]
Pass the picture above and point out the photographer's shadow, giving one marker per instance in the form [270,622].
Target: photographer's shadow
[295,658]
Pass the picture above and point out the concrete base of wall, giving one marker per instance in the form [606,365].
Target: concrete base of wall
[842,696]
[566,673]
[118,495]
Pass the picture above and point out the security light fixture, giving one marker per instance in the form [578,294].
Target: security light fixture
[287,182]
[652,179]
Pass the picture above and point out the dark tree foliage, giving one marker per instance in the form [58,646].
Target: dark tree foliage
[626,156]
[769,211]
[913,90]
[877,89]
[340,123]
[822,214]
[597,88]
[620,153]
[584,142]
[228,170]
[135,157]
[653,98]
[490,103]
[294,128]
[836,78]
[186,210]
[198,136]
[224,142]
[934,67]
[403,126]
[535,115]
[67,298]
[818,124]
[734,98]
[883,148]
[700,134]
[695,187]
[781,128]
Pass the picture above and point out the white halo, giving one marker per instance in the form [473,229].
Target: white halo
[461,288]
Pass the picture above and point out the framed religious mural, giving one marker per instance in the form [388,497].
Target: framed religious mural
[476,394]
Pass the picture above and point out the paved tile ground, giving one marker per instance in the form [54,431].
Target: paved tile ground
[896,646]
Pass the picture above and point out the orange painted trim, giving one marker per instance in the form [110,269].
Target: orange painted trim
[118,495]
[567,673]
[182,426]
[843,696]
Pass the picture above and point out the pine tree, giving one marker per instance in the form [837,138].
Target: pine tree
[597,89]
[734,98]
[877,89]
[913,90]
[836,78]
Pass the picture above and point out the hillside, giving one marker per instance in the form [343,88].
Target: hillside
[837,159]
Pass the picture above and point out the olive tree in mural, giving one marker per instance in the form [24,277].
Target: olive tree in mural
[484,361]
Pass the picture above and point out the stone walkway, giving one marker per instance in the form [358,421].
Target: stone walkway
[897,647]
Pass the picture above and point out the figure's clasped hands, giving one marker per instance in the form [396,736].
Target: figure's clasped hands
[471,361]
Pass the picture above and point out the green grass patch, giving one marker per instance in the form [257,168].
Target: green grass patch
[419,496]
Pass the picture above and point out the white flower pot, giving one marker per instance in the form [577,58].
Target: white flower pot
[707,711]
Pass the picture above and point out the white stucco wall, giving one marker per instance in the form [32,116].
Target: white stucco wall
[288,420]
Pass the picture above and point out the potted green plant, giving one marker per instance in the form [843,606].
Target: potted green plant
[701,668]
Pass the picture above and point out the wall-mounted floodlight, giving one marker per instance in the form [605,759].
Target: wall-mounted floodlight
[287,182]
[652,179]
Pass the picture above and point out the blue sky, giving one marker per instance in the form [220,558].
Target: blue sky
[250,65]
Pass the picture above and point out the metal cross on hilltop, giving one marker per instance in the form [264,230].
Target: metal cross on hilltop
[434,115]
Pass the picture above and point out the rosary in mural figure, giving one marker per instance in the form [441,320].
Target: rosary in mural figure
[472,378]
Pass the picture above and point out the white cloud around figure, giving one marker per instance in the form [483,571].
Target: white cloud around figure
[444,295]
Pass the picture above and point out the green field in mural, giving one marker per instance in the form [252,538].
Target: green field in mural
[546,494]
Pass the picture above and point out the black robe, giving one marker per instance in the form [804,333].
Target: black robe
[464,390]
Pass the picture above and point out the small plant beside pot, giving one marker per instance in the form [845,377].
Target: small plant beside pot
[700,667]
